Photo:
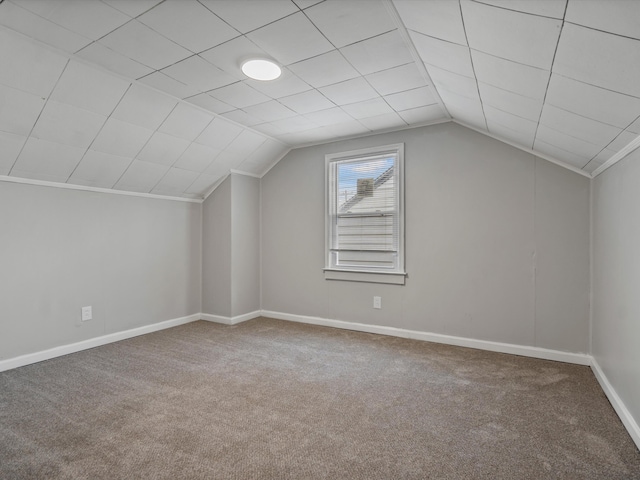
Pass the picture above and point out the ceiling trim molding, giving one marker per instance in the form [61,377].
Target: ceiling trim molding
[630,147]
[544,156]
[276,161]
[246,174]
[216,185]
[70,186]
[402,30]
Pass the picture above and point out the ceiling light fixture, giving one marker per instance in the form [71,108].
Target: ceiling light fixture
[260,69]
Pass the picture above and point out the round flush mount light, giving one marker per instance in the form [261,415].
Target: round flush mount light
[260,69]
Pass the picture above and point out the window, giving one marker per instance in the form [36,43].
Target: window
[365,218]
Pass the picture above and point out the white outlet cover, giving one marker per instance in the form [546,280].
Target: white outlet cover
[377,302]
[87,314]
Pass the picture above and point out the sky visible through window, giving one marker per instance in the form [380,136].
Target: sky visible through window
[349,172]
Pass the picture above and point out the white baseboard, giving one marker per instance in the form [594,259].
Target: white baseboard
[618,405]
[523,350]
[36,357]
[230,320]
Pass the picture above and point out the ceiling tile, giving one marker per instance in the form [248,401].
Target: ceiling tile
[34,26]
[347,22]
[168,85]
[430,113]
[368,108]
[219,134]
[600,59]
[141,176]
[307,102]
[519,138]
[245,143]
[452,82]
[397,79]
[446,55]
[121,138]
[163,149]
[578,126]
[10,146]
[43,160]
[113,61]
[269,129]
[506,119]
[250,14]
[202,184]
[198,73]
[325,69]
[378,53]
[515,36]
[306,3]
[602,157]
[635,126]
[328,117]
[98,169]
[622,140]
[90,18]
[239,95]
[140,43]
[287,84]
[383,122]
[514,77]
[206,101]
[189,24]
[28,66]
[133,9]
[347,129]
[592,102]
[69,125]
[591,166]
[144,107]
[18,110]
[620,17]
[295,124]
[560,154]
[175,182]
[437,18]
[197,158]
[351,91]
[186,122]
[519,105]
[267,153]
[418,97]
[270,111]
[463,109]
[89,88]
[546,8]
[566,142]
[243,118]
[291,39]
[230,55]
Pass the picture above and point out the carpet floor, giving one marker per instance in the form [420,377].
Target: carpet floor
[269,399]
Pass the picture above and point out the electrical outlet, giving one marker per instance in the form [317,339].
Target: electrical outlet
[87,314]
[377,302]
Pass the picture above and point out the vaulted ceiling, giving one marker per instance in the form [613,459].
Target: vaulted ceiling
[148,95]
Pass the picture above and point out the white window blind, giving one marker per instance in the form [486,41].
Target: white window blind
[364,216]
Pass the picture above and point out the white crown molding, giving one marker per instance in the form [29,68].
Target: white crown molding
[630,147]
[245,174]
[230,320]
[36,357]
[70,186]
[544,156]
[618,405]
[216,185]
[276,161]
[523,350]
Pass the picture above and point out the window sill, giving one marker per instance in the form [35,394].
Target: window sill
[392,278]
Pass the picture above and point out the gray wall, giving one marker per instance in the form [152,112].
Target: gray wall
[231,248]
[135,260]
[497,242]
[245,249]
[216,251]
[616,277]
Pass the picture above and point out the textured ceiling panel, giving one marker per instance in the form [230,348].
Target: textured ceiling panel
[148,95]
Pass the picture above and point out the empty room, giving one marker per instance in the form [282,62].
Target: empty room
[305,239]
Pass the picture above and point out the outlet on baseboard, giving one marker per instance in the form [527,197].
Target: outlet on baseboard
[377,302]
[87,314]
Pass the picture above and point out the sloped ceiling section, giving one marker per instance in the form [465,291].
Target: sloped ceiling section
[148,96]
[560,77]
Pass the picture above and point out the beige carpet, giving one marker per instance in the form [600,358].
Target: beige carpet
[269,399]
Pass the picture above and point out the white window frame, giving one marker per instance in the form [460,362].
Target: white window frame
[375,275]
